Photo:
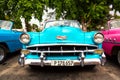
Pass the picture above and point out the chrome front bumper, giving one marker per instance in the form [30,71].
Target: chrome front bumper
[81,62]
[48,62]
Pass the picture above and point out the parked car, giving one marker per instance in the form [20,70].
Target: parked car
[62,43]
[9,39]
[111,44]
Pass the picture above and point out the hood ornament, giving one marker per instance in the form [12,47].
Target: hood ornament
[61,37]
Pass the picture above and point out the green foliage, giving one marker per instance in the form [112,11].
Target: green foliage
[86,11]
[25,8]
[3,9]
[35,28]
[116,5]
[90,13]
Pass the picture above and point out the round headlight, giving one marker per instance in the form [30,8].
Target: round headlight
[98,38]
[24,38]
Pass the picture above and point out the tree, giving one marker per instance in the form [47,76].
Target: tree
[3,9]
[116,6]
[88,12]
[25,8]
[5,13]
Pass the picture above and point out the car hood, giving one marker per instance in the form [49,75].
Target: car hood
[61,35]
[3,31]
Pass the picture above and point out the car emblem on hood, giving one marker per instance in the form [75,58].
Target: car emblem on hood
[61,37]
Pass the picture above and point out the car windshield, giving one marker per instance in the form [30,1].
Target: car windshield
[5,25]
[70,23]
[115,24]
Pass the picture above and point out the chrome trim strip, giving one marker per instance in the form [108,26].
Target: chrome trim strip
[76,51]
[36,45]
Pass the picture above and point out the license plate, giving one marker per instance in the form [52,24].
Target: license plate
[62,63]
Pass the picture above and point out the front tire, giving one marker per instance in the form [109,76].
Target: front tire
[118,57]
[3,53]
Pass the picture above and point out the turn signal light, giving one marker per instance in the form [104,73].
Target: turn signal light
[25,52]
[98,51]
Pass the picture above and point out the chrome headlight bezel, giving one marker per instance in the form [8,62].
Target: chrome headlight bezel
[24,38]
[98,38]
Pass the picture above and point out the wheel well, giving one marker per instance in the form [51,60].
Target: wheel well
[5,45]
[115,50]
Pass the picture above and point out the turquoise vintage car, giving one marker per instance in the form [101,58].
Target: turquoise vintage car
[62,43]
[9,39]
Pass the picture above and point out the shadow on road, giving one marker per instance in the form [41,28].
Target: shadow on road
[10,56]
[112,61]
[62,69]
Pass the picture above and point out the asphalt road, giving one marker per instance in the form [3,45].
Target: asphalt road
[10,70]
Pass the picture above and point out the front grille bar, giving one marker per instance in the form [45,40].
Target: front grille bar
[61,48]
[75,51]
[61,44]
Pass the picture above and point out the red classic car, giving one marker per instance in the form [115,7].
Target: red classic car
[111,44]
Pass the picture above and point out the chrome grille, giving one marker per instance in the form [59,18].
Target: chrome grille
[62,50]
